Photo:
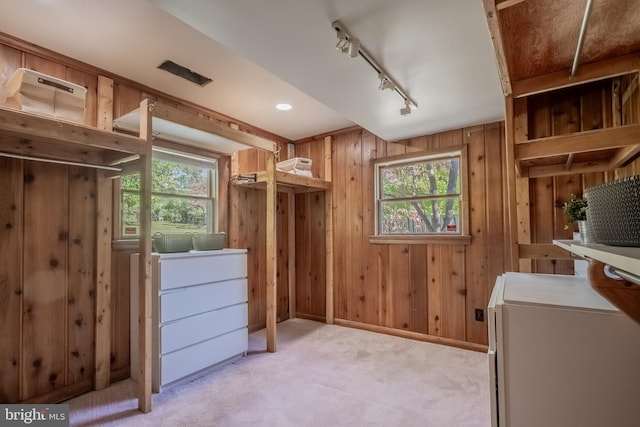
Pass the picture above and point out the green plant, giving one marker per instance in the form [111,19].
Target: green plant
[575,209]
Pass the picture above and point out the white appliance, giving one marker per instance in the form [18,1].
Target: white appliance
[560,355]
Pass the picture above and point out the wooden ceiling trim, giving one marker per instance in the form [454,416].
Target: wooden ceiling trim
[503,4]
[587,73]
[593,140]
[498,46]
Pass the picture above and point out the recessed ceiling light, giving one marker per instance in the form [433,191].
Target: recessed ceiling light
[283,107]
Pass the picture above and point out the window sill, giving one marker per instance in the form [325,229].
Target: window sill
[436,239]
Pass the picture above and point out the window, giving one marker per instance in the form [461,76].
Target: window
[421,194]
[183,196]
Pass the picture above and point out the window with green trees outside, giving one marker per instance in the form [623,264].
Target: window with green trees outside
[419,194]
[183,197]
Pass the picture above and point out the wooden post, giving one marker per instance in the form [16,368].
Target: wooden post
[144,272]
[521,134]
[272,264]
[511,215]
[291,238]
[104,236]
[328,220]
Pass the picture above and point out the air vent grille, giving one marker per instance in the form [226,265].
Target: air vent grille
[185,73]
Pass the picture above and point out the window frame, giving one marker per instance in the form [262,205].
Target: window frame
[463,236]
[178,156]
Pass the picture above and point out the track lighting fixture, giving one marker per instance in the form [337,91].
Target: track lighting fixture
[385,83]
[406,109]
[351,45]
[348,44]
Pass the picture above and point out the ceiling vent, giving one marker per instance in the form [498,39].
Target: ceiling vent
[185,73]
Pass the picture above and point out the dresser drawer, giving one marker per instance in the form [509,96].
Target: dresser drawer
[195,358]
[196,270]
[183,302]
[192,330]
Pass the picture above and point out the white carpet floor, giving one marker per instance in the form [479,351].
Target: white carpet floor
[322,375]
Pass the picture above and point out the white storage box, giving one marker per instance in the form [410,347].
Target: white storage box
[296,165]
[34,92]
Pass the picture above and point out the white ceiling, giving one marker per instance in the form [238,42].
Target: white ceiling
[260,53]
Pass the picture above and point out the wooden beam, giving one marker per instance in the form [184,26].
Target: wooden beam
[498,47]
[271,260]
[543,251]
[557,170]
[523,205]
[623,156]
[144,267]
[291,264]
[328,221]
[187,118]
[587,73]
[633,86]
[503,4]
[511,209]
[104,236]
[579,142]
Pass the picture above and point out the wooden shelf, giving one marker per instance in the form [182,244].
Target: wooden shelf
[619,257]
[293,182]
[48,138]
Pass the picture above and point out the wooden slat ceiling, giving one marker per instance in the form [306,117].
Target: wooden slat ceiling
[536,43]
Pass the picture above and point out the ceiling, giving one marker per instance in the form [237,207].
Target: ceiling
[260,53]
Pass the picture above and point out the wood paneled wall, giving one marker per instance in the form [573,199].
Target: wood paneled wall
[425,289]
[47,248]
[630,113]
[47,273]
[580,108]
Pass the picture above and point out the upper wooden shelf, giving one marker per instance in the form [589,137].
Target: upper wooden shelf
[581,152]
[48,138]
[293,182]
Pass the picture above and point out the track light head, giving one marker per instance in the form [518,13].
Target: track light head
[406,109]
[386,83]
[354,47]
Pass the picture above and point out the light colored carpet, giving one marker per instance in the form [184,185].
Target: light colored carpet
[322,375]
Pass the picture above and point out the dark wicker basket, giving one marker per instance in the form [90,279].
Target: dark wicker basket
[613,212]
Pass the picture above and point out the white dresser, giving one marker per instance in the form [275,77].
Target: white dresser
[199,312]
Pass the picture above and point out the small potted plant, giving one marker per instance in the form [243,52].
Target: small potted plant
[576,212]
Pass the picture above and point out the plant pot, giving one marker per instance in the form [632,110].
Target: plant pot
[585,234]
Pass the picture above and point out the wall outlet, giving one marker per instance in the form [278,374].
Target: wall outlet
[479,315]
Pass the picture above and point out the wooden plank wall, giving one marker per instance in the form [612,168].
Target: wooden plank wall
[561,112]
[630,113]
[247,230]
[47,262]
[425,290]
[47,273]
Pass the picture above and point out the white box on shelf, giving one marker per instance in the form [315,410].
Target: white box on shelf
[35,92]
[296,165]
